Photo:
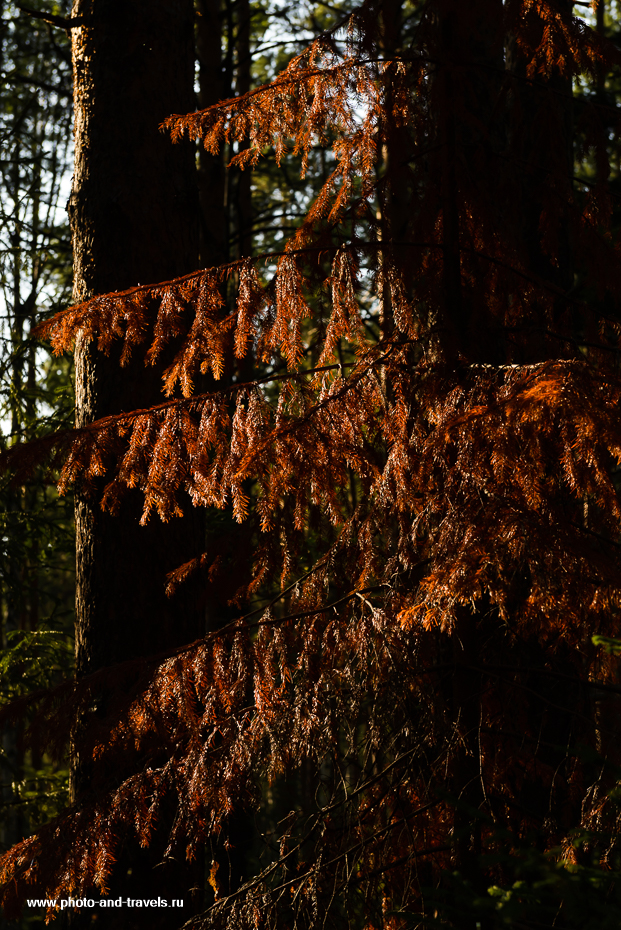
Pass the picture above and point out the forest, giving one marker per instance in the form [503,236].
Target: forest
[310,465]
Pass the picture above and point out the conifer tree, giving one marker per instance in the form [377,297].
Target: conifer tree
[130,71]
[426,458]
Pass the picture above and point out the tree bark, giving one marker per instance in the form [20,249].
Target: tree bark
[469,56]
[394,207]
[211,168]
[243,85]
[134,219]
[540,140]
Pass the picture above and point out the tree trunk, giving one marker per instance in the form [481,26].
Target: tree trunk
[243,84]
[469,56]
[211,168]
[134,219]
[540,137]
[394,207]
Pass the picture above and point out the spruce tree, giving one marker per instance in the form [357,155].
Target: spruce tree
[423,663]
[130,71]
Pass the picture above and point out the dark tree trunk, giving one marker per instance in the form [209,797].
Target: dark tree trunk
[134,219]
[244,183]
[540,137]
[211,168]
[475,138]
[394,206]
[469,54]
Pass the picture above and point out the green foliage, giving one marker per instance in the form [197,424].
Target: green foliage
[32,660]
[611,645]
[541,890]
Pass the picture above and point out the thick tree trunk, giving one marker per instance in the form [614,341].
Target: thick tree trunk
[540,138]
[469,54]
[134,219]
[475,140]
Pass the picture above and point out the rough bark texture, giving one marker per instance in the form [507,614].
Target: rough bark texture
[134,219]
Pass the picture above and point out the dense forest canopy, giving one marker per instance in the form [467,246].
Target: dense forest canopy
[346,468]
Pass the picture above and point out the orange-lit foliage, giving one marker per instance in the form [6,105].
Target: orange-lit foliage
[429,467]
